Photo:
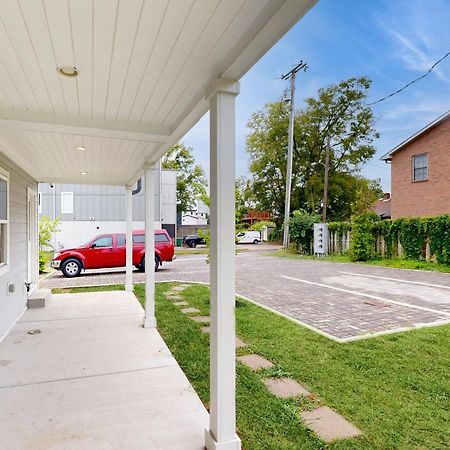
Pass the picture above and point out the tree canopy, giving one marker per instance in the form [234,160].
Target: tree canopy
[339,113]
[191,182]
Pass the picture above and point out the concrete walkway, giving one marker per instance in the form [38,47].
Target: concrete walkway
[90,377]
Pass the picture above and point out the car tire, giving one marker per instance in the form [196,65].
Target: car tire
[192,244]
[256,241]
[157,264]
[71,268]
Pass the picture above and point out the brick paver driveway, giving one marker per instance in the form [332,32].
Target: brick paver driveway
[341,301]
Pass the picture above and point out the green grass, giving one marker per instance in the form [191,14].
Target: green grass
[395,388]
[76,290]
[396,263]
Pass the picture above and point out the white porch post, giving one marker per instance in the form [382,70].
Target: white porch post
[222,431]
[129,239]
[150,319]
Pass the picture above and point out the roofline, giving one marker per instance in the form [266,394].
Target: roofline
[441,118]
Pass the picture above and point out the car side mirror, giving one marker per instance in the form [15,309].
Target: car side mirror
[93,245]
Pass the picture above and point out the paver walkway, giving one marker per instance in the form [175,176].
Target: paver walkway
[341,301]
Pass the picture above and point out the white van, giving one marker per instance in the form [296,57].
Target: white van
[248,237]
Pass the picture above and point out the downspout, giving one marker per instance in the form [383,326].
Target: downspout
[138,187]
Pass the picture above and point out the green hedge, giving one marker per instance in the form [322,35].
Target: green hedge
[412,233]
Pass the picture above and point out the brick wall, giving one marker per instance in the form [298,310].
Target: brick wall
[424,198]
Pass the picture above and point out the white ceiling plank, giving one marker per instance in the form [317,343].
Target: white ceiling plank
[129,17]
[196,23]
[36,23]
[153,15]
[13,73]
[105,20]
[81,15]
[169,33]
[58,19]
[178,93]
[13,21]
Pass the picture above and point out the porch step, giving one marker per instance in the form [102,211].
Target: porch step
[39,298]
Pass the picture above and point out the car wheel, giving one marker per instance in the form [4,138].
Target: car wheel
[71,268]
[192,244]
[256,241]
[142,266]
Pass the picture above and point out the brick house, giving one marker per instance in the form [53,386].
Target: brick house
[420,172]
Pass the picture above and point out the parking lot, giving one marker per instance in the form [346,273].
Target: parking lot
[341,301]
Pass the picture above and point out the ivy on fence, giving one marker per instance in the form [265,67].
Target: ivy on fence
[419,238]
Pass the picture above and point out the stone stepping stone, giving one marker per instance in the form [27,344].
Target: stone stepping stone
[180,303]
[200,319]
[329,425]
[240,343]
[285,387]
[190,310]
[255,362]
[179,288]
[205,329]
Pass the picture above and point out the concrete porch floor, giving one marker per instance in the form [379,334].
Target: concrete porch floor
[93,378]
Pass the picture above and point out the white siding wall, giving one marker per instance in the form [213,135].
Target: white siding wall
[12,305]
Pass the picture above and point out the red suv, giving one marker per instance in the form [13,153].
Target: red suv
[109,250]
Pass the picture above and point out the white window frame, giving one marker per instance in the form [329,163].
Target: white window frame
[4,267]
[413,169]
[63,194]
[39,200]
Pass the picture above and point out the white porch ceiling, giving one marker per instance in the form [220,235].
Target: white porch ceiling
[143,68]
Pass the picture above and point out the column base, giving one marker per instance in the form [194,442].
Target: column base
[212,444]
[129,288]
[149,322]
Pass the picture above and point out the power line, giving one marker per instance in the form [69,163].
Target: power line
[411,82]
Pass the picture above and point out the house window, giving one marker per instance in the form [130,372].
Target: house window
[66,202]
[420,167]
[4,219]
[40,202]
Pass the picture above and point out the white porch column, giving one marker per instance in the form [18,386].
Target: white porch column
[222,430]
[129,239]
[150,319]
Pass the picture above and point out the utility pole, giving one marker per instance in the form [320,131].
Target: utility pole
[325,180]
[287,204]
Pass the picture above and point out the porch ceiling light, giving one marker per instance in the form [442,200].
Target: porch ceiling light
[81,148]
[83,173]
[68,71]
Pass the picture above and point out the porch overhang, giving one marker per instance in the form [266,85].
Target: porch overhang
[143,69]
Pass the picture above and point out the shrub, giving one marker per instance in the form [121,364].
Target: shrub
[47,227]
[301,229]
[362,243]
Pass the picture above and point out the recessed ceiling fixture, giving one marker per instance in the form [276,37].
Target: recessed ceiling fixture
[68,71]
[81,148]
[83,173]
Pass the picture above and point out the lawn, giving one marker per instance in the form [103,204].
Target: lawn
[395,388]
[395,263]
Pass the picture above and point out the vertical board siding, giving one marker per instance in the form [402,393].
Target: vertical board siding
[12,305]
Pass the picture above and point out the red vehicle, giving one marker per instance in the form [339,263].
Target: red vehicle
[109,250]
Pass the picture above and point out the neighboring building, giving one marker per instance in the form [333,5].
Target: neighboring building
[420,172]
[383,206]
[197,216]
[86,210]
[253,216]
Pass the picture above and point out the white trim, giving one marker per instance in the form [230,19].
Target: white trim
[32,240]
[63,210]
[4,266]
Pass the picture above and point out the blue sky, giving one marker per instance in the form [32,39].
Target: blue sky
[391,42]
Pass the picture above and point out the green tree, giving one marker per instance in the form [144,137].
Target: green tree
[244,197]
[301,226]
[338,112]
[191,182]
